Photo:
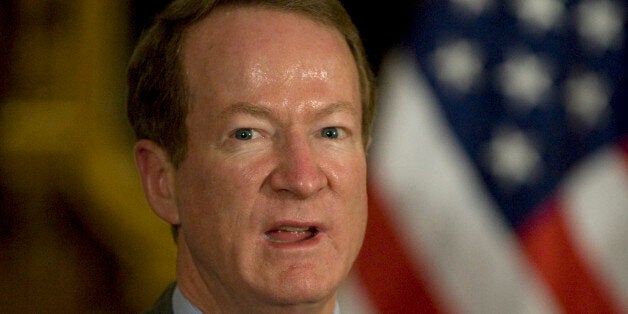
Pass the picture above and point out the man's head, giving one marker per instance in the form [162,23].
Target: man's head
[270,191]
[157,101]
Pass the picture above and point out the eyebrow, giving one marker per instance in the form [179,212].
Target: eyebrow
[245,108]
[262,111]
[336,107]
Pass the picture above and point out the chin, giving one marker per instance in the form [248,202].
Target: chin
[303,290]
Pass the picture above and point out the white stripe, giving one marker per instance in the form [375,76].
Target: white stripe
[443,211]
[596,200]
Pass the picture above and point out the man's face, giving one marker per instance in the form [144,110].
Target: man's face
[271,196]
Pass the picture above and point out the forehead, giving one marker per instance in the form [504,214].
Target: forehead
[225,25]
[251,38]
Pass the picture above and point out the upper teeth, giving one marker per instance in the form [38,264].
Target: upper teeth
[293,229]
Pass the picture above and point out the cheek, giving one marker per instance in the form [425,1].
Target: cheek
[350,186]
[214,208]
[207,176]
[217,194]
[349,175]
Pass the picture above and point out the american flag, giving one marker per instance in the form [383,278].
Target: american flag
[499,167]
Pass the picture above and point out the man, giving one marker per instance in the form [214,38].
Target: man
[252,120]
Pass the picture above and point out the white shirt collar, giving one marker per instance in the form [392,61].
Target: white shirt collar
[181,305]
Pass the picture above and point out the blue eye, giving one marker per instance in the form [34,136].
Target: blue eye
[243,134]
[329,132]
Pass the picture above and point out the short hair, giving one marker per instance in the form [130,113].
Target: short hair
[158,97]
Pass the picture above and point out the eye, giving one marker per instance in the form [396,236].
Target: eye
[244,134]
[330,132]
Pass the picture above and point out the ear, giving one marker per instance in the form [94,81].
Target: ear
[158,179]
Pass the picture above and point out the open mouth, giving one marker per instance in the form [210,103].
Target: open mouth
[290,234]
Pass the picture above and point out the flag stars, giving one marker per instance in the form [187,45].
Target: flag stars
[512,157]
[524,79]
[458,65]
[586,98]
[600,24]
[539,16]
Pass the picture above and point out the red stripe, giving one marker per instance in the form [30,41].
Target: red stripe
[551,249]
[386,269]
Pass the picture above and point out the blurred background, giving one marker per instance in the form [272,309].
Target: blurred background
[498,174]
[75,232]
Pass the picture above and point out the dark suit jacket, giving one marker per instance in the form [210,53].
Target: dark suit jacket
[164,304]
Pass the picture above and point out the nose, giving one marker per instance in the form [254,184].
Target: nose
[298,172]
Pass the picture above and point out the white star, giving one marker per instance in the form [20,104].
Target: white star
[512,157]
[600,24]
[586,98]
[458,64]
[474,7]
[539,16]
[525,79]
